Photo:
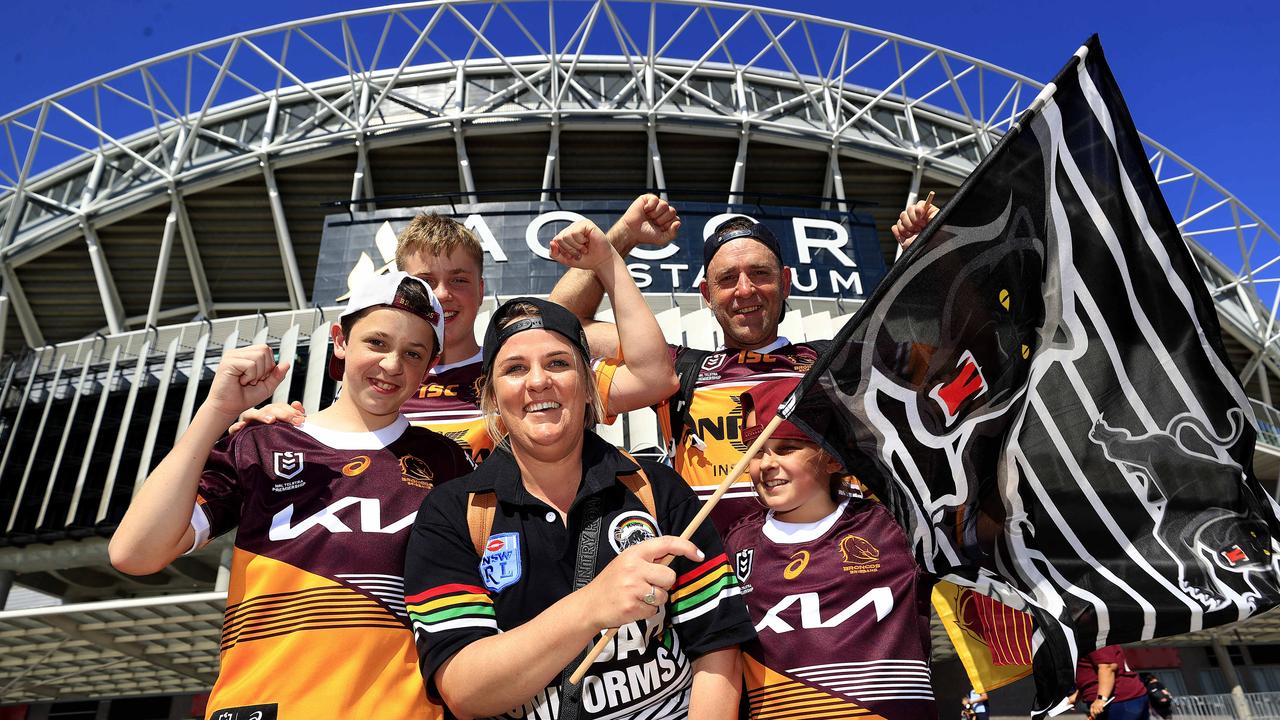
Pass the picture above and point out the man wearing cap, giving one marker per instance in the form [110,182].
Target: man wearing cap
[745,285]
[322,513]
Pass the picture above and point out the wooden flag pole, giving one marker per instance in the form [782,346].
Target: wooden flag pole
[697,520]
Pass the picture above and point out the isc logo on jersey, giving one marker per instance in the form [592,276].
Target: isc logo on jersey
[880,599]
[370,520]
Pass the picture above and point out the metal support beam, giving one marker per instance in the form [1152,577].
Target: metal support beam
[362,179]
[292,276]
[200,281]
[162,263]
[1264,385]
[552,166]
[465,179]
[656,177]
[739,180]
[836,178]
[107,291]
[1233,680]
[21,308]
[4,323]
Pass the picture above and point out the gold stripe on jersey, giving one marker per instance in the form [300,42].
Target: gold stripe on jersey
[286,628]
[469,434]
[776,696]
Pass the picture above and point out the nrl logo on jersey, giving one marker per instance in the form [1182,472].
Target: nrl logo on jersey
[742,567]
[287,464]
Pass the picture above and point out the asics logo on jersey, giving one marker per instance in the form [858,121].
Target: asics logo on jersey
[369,517]
[798,563]
[881,599]
[358,464]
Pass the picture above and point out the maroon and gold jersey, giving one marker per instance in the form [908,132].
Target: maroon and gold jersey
[315,623]
[841,613]
[449,403]
[712,444]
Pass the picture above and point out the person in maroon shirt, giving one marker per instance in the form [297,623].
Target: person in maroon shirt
[1112,691]
[840,607]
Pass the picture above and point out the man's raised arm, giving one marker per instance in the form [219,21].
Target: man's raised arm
[649,221]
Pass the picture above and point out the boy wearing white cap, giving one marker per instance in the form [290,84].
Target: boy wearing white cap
[315,623]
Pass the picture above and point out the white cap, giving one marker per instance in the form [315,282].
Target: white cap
[387,291]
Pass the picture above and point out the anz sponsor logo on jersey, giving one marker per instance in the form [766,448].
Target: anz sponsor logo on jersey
[369,516]
[500,566]
[880,599]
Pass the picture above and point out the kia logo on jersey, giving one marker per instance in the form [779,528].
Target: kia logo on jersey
[287,464]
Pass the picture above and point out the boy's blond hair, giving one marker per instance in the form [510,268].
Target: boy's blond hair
[436,235]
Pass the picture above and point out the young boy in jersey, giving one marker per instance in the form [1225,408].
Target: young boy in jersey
[315,621]
[840,608]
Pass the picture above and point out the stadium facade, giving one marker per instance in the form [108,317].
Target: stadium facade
[230,192]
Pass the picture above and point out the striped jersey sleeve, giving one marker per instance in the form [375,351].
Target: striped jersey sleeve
[706,601]
[448,605]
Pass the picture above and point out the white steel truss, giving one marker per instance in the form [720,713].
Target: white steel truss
[89,155]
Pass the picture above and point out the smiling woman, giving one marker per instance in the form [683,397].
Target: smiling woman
[508,579]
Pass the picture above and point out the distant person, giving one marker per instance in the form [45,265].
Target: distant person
[1109,688]
[1157,694]
[976,703]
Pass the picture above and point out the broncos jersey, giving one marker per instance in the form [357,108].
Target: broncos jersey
[712,443]
[449,403]
[841,613]
[315,622]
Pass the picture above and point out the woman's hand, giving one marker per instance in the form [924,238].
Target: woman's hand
[582,245]
[618,594]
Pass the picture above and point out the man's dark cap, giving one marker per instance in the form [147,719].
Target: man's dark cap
[552,317]
[757,231]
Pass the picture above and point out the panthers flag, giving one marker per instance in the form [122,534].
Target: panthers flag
[1039,392]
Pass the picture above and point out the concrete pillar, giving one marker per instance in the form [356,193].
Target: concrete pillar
[1233,680]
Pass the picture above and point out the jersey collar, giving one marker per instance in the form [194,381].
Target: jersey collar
[342,440]
[786,533]
[780,342]
[602,463]
[445,368]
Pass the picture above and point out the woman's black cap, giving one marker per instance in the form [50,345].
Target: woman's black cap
[551,317]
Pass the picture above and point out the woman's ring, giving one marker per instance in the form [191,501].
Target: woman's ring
[651,598]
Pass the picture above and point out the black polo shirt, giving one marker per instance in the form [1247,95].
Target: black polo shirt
[455,597]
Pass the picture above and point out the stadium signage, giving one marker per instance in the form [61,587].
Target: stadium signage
[831,254]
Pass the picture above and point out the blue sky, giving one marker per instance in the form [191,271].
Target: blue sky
[1201,78]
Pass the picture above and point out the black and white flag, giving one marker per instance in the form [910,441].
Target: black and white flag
[1039,391]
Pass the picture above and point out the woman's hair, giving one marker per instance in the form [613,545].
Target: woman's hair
[489,401]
